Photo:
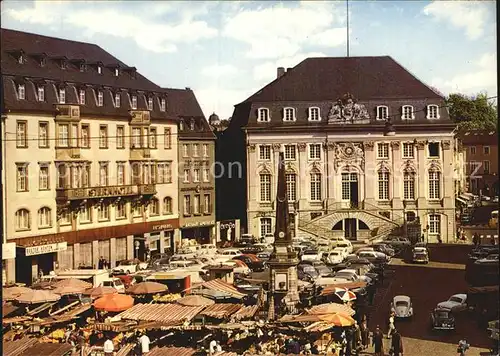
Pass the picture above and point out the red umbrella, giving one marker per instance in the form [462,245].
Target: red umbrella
[114,302]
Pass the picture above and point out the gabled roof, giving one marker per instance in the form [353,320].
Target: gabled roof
[475,137]
[328,78]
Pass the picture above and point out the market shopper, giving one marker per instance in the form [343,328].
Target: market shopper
[462,348]
[378,342]
[397,344]
[365,335]
[109,348]
[392,328]
[144,341]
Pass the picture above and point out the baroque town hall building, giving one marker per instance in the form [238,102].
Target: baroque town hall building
[368,148]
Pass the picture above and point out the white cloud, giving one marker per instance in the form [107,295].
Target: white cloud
[266,72]
[140,25]
[469,15]
[220,100]
[483,78]
[281,31]
[216,71]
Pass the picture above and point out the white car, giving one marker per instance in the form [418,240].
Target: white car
[346,244]
[130,266]
[334,257]
[115,283]
[456,303]
[207,249]
[355,274]
[266,247]
[342,250]
[238,267]
[227,254]
[402,307]
[311,255]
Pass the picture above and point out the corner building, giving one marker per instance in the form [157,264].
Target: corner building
[369,149]
[89,157]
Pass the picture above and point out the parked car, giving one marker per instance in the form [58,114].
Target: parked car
[311,255]
[491,259]
[442,319]
[334,257]
[356,274]
[456,303]
[227,254]
[264,256]
[207,249]
[251,249]
[248,238]
[322,269]
[130,266]
[374,257]
[347,274]
[307,272]
[402,307]
[255,264]
[397,242]
[493,329]
[345,244]
[381,247]
[239,267]
[420,255]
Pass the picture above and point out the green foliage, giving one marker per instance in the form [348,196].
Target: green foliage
[473,112]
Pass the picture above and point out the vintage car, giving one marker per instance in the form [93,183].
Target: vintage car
[420,255]
[442,319]
[456,303]
[402,307]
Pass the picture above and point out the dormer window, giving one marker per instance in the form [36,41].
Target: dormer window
[163,104]
[289,114]
[181,125]
[62,96]
[117,72]
[99,69]
[432,112]
[117,100]
[191,125]
[407,113]
[21,91]
[41,93]
[263,115]
[150,103]
[100,98]
[83,67]
[62,64]
[82,96]
[43,61]
[134,102]
[314,114]
[20,59]
[382,112]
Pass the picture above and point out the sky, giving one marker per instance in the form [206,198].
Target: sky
[227,50]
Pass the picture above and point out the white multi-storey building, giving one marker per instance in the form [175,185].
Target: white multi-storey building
[354,169]
[89,158]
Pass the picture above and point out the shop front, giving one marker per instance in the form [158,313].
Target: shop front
[8,256]
[228,231]
[199,231]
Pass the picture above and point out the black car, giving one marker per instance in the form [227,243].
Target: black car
[381,247]
[442,319]
[255,264]
[307,272]
[252,249]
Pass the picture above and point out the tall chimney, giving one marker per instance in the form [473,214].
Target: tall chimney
[288,69]
[281,71]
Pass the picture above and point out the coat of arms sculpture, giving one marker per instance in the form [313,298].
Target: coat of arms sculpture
[347,111]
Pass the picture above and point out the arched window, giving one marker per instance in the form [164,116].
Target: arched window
[407,112]
[315,186]
[382,112]
[338,226]
[263,115]
[408,185]
[22,219]
[383,184]
[265,187]
[44,217]
[434,184]
[289,114]
[362,225]
[154,208]
[291,186]
[167,206]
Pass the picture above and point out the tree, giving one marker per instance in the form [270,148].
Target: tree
[473,112]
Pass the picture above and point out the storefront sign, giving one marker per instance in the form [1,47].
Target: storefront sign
[42,249]
[103,192]
[162,227]
[199,223]
[227,225]
[8,250]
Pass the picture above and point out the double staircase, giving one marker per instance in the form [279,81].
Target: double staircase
[380,226]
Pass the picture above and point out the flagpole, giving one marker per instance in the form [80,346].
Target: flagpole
[347,4]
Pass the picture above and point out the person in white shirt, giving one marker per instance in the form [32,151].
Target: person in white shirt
[218,348]
[212,347]
[392,328]
[144,340]
[109,348]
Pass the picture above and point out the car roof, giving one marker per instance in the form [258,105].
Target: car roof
[460,295]
[402,298]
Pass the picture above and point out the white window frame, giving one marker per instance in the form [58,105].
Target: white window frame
[133,100]
[187,173]
[264,152]
[380,110]
[41,93]
[118,100]
[206,174]
[81,96]
[289,114]
[409,186]
[21,91]
[63,135]
[434,184]
[23,220]
[383,150]
[408,150]
[62,96]
[100,98]
[103,136]
[153,137]
[187,205]
[185,150]
[263,115]
[167,206]
[44,177]
[86,214]
[405,115]
[21,134]
[472,150]
[196,204]
[383,181]
[196,175]
[163,104]
[486,167]
[314,117]
[265,180]
[150,103]
[486,148]
[290,152]
[435,115]
[347,178]
[85,136]
[434,224]
[207,204]
[265,226]
[315,186]
[154,207]
[103,212]
[291,186]
[121,210]
[44,217]
[120,173]
[103,174]
[314,151]
[196,150]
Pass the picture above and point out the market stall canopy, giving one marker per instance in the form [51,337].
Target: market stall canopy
[68,290]
[221,311]
[330,308]
[165,313]
[72,282]
[345,294]
[195,301]
[114,303]
[331,289]
[147,288]
[38,296]
[219,285]
[43,285]
[336,319]
[12,293]
[99,291]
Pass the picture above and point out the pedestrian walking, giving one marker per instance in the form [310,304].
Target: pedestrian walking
[144,341]
[100,263]
[365,335]
[397,344]
[356,338]
[462,348]
[475,239]
[378,342]
[392,328]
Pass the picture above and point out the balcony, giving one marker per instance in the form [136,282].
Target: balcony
[112,191]
[139,153]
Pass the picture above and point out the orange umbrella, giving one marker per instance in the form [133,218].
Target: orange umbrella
[329,308]
[147,288]
[100,291]
[338,319]
[114,302]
